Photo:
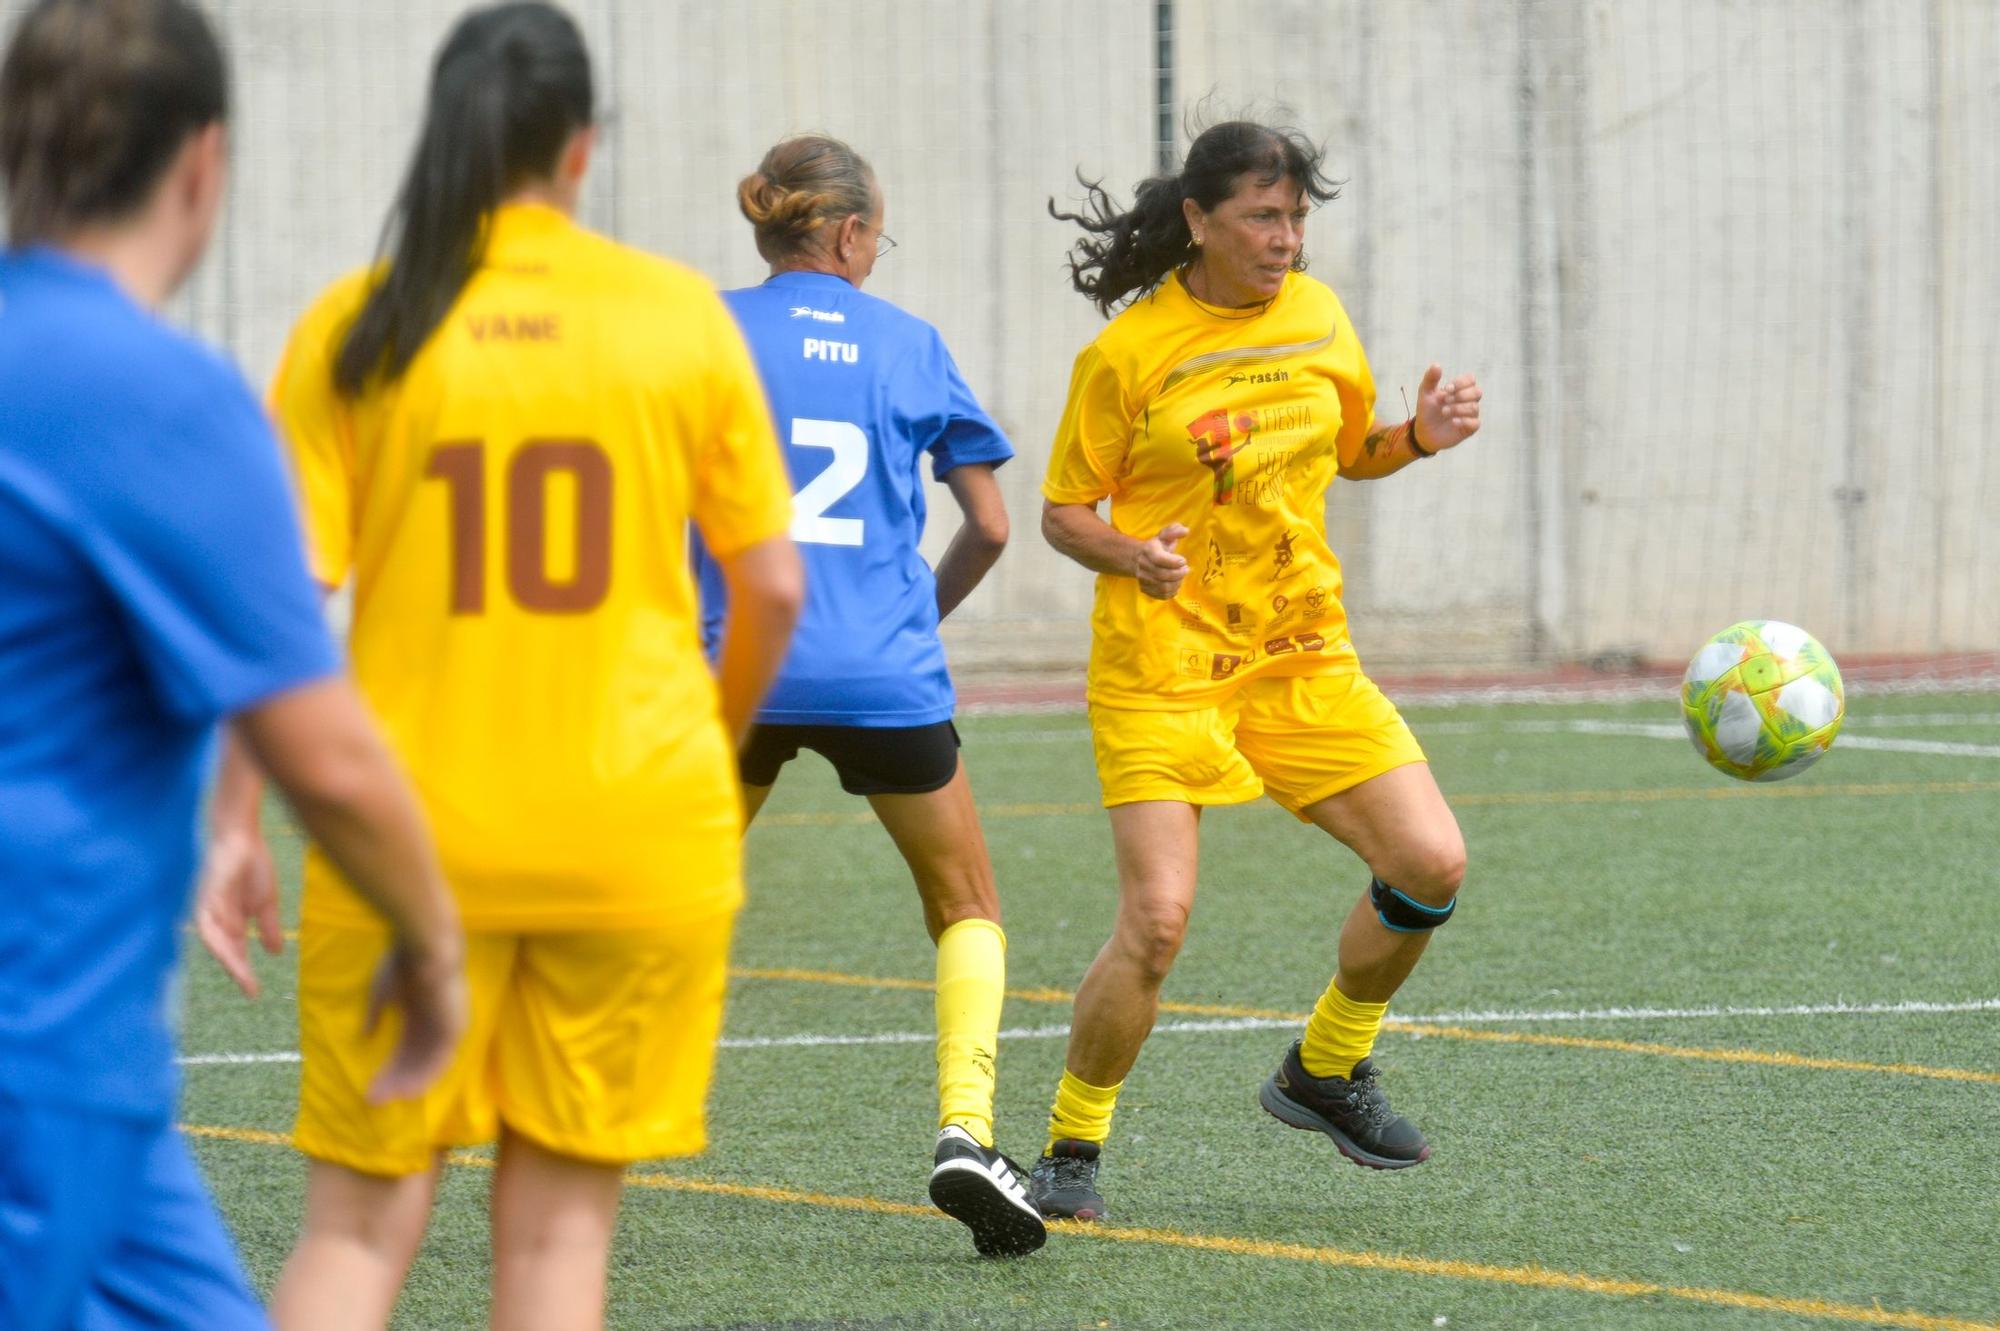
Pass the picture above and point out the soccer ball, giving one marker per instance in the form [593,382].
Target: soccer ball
[1762,700]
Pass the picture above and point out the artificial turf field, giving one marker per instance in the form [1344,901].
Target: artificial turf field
[1692,1054]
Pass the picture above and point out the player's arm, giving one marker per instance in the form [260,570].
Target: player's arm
[976,546]
[1446,416]
[766,589]
[1076,530]
[318,745]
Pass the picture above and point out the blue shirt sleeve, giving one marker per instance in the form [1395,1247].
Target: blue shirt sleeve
[964,432]
[194,530]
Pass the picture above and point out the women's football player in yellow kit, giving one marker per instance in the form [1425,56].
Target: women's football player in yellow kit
[1213,413]
[501,433]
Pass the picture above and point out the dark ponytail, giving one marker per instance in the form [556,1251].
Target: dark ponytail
[510,86]
[1125,254]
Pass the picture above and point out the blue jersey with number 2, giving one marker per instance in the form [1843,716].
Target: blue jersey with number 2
[860,391]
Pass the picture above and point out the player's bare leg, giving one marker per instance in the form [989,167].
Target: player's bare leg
[939,836]
[1158,847]
[1400,825]
[360,1235]
[553,1217]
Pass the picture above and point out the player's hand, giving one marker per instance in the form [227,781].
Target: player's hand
[238,888]
[1447,414]
[1156,566]
[431,994]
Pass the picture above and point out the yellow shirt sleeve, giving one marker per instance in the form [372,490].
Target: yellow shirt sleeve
[1357,404]
[742,492]
[318,431]
[1093,437]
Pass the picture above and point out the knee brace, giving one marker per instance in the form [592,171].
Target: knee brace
[1404,913]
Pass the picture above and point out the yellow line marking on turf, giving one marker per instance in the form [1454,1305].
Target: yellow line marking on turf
[1487,799]
[1776,1058]
[251,1135]
[829,977]
[1524,1277]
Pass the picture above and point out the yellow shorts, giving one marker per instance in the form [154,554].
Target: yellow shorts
[1297,738]
[596,1045]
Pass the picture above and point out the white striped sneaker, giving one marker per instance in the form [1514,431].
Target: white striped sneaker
[982,1190]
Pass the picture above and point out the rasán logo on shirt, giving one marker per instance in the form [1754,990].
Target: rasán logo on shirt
[823,316]
[1256,377]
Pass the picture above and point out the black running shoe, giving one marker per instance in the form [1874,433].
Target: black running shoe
[1351,1110]
[981,1189]
[1063,1183]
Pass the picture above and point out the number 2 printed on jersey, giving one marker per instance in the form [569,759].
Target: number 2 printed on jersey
[849,444]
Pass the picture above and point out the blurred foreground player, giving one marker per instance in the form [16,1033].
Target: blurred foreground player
[862,392]
[150,586]
[501,432]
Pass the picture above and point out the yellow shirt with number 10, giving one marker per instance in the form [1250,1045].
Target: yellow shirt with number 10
[1232,423]
[513,510]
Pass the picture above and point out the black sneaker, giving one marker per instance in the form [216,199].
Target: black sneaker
[1351,1110]
[980,1188]
[1063,1183]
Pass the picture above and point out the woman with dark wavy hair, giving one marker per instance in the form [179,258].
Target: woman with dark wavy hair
[1214,412]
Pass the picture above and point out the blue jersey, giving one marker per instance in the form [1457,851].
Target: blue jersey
[152,581]
[861,391]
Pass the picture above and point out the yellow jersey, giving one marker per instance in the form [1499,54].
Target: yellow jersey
[1232,423]
[514,511]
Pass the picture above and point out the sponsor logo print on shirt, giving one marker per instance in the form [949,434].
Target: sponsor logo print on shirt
[1297,642]
[1257,377]
[1215,446]
[1215,360]
[1281,555]
[823,316]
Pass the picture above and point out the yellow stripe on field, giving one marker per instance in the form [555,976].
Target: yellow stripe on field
[1487,800]
[1523,1277]
[1775,1058]
[1767,1058]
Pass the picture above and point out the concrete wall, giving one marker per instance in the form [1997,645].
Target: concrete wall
[1727,271]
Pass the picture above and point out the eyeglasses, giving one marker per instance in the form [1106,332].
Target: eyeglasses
[884,242]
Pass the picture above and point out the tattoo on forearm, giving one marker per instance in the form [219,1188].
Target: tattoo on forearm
[1377,439]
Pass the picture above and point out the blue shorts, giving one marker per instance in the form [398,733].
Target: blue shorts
[105,1226]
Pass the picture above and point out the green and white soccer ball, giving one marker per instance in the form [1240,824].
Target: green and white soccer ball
[1762,700]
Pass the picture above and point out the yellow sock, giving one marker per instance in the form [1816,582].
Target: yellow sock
[1081,1112]
[971,982]
[1340,1034]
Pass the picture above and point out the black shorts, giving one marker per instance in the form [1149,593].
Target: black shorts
[870,760]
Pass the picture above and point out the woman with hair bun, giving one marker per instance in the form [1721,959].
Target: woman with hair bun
[862,391]
[1214,412]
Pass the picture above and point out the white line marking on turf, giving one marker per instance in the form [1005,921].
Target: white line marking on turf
[1470,1017]
[1648,731]
[1913,720]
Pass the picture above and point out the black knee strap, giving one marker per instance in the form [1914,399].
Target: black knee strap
[1404,913]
